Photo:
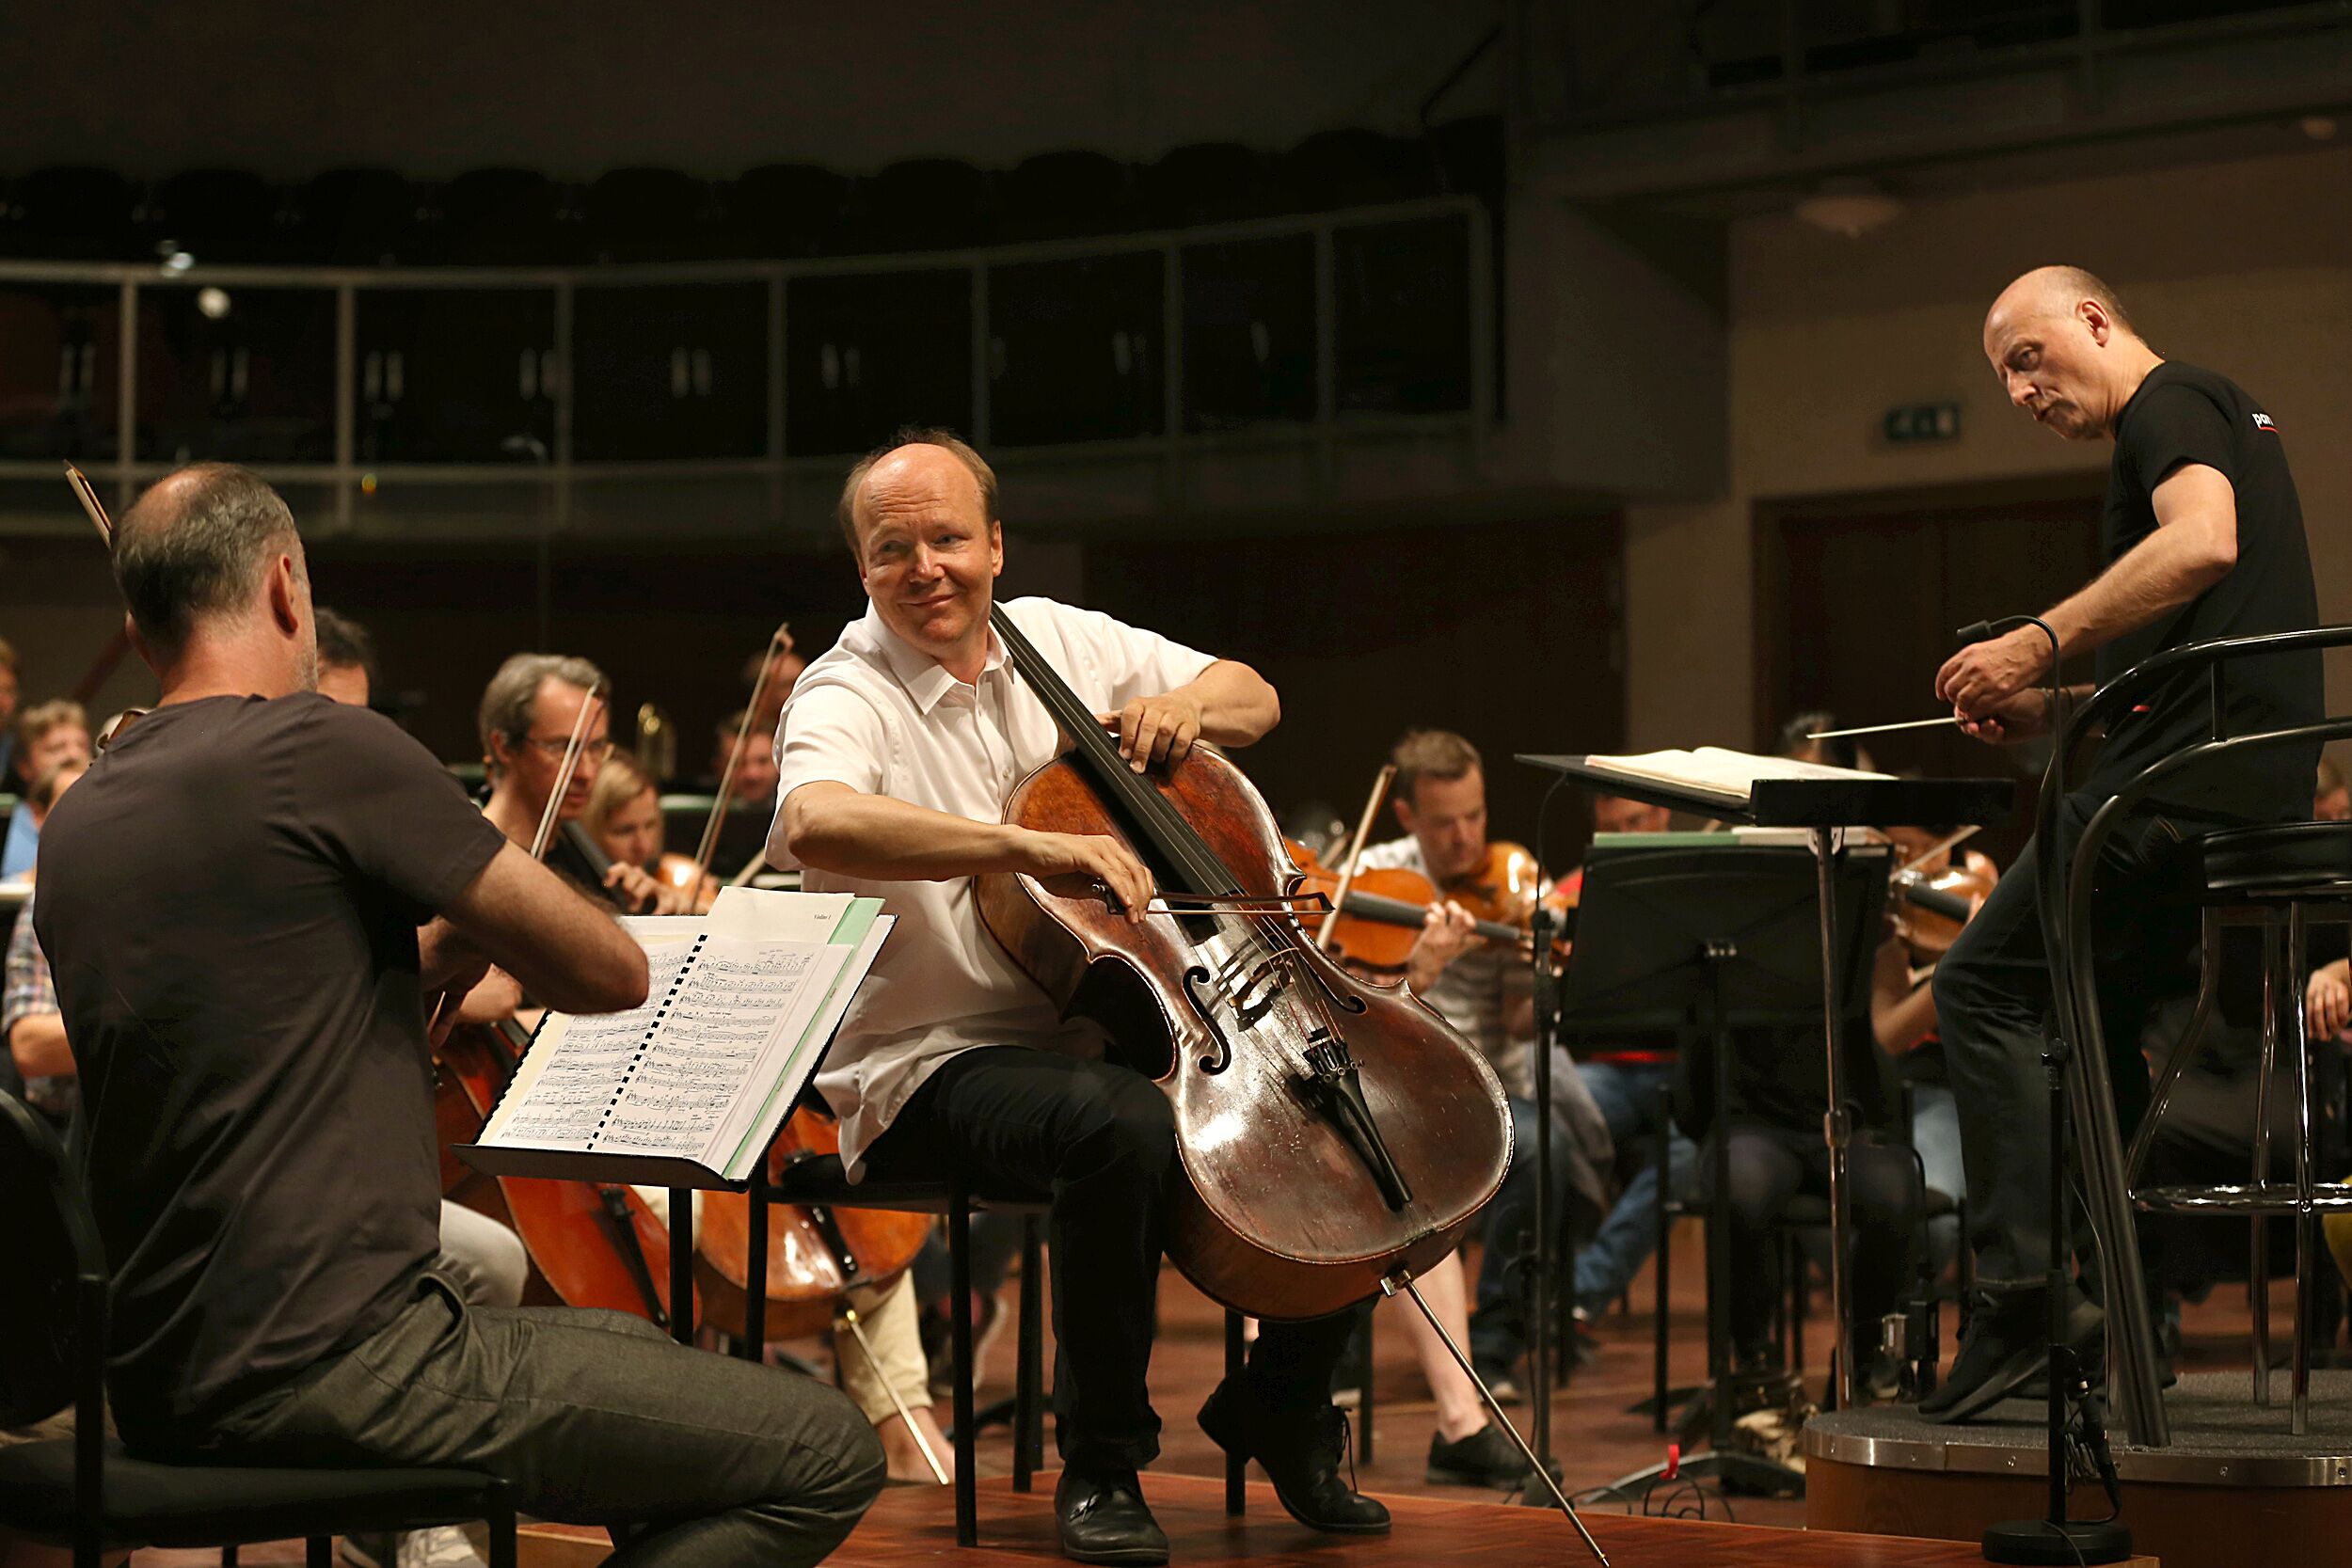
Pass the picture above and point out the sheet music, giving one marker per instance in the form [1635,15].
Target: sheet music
[558,1095]
[706,1056]
[737,1010]
[1718,771]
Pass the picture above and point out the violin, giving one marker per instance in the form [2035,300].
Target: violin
[681,872]
[1930,906]
[1333,1134]
[1381,911]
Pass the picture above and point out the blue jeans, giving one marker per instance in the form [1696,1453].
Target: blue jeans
[1627,1093]
[1935,1134]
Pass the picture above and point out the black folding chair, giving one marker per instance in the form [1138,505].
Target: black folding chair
[84,1490]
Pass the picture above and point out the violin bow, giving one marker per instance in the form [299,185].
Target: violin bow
[1355,852]
[96,509]
[563,775]
[720,801]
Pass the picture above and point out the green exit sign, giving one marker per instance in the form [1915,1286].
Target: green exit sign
[1922,422]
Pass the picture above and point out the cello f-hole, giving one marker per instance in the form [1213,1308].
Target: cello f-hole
[1196,987]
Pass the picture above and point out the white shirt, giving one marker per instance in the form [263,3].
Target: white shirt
[884,718]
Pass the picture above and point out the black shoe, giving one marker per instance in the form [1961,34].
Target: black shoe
[2006,1344]
[1104,1519]
[1501,1379]
[1486,1457]
[1300,1453]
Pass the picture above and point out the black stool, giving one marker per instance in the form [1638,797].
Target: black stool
[87,1492]
[2276,877]
[820,1180]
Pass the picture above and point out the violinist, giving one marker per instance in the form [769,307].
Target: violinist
[46,735]
[528,713]
[1486,991]
[36,1056]
[2203,538]
[244,904]
[1624,1078]
[901,747]
[624,815]
[1902,1008]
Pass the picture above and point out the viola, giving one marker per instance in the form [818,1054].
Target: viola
[1333,1133]
[815,1252]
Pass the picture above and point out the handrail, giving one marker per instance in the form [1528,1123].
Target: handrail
[2063,899]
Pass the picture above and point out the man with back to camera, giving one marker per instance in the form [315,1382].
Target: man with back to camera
[2203,537]
[899,748]
[261,1155]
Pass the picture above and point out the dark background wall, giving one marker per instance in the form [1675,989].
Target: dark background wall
[432,86]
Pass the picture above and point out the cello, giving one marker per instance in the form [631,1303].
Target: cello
[1335,1137]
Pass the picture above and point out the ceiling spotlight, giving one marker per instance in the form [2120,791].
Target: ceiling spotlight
[176,261]
[1849,207]
[212,303]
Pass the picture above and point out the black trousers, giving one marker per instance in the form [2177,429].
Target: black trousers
[1768,1166]
[1102,1141]
[1994,1001]
[696,1460]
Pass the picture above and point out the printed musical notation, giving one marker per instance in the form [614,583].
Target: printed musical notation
[574,1078]
[706,1046]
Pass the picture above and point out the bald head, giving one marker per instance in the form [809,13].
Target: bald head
[934,467]
[2065,350]
[196,548]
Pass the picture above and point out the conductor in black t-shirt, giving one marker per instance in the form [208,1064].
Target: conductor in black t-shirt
[2203,538]
[244,904]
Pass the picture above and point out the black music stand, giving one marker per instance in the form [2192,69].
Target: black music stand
[1724,938]
[1821,806]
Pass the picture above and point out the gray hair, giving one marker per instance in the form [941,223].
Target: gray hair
[194,547]
[510,704]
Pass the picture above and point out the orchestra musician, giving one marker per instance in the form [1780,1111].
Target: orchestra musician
[246,904]
[1624,1078]
[1486,991]
[46,735]
[2203,538]
[34,1052]
[899,750]
[525,719]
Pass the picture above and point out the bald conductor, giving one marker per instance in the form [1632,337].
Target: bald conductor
[2203,538]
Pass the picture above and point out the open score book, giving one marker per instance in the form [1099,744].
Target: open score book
[1713,770]
[688,1089]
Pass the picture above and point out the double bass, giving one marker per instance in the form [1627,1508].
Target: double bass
[1332,1133]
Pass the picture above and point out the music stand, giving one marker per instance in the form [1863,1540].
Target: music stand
[1723,938]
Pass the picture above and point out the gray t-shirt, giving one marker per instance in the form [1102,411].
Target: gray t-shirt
[229,902]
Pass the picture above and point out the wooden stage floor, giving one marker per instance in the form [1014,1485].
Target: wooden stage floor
[909,1526]
[1595,1438]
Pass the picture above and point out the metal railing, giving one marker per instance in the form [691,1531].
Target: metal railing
[555,472]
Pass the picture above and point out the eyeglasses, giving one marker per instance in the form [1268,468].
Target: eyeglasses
[596,751]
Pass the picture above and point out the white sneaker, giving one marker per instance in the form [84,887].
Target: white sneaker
[444,1547]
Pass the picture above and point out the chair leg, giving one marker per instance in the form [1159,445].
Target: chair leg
[1363,1390]
[1236,1467]
[228,1557]
[2299,1376]
[960,1285]
[1028,1424]
[499,1514]
[2258,1263]
[319,1552]
[1663,1233]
